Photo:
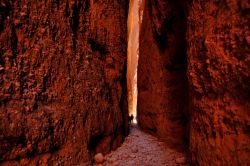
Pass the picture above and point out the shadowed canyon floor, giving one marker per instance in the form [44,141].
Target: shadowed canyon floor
[141,148]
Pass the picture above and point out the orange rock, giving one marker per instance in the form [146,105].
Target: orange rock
[99,158]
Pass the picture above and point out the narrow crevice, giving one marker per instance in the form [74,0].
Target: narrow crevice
[134,18]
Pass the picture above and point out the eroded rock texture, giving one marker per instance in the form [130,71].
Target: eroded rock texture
[219,78]
[61,70]
[162,82]
[217,34]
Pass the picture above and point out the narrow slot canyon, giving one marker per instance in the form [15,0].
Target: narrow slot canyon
[134,22]
[133,44]
[72,72]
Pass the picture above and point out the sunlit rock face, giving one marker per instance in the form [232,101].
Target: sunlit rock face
[62,67]
[219,79]
[133,46]
[162,81]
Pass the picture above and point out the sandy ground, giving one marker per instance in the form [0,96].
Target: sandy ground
[143,149]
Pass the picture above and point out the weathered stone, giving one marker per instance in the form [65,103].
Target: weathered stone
[219,90]
[162,81]
[210,109]
[99,158]
[62,79]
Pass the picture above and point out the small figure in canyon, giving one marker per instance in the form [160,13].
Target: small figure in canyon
[131,118]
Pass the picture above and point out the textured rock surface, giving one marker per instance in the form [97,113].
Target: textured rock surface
[219,79]
[218,73]
[141,148]
[162,82]
[61,69]
[99,158]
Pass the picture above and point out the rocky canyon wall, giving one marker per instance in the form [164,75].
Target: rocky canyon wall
[162,81]
[219,78]
[62,67]
[211,39]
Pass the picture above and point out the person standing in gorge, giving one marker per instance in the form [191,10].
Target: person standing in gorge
[131,118]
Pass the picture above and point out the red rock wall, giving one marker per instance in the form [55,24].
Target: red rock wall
[62,69]
[162,82]
[219,78]
[217,36]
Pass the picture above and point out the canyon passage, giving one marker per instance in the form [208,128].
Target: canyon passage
[73,71]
